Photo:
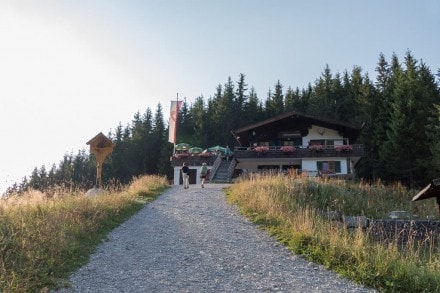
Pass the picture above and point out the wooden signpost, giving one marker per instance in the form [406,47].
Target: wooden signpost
[100,146]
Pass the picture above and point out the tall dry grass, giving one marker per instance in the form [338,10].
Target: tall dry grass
[290,208]
[44,236]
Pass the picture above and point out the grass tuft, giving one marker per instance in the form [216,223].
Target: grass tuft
[45,236]
[291,209]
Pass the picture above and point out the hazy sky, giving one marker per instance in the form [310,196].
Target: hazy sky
[70,69]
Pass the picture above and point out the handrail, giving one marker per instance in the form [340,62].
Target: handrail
[231,168]
[278,148]
[215,166]
[300,152]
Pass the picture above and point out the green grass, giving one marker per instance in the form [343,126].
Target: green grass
[290,209]
[44,238]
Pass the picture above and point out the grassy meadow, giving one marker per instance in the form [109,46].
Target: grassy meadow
[44,236]
[291,209]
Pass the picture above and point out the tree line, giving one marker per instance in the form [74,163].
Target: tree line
[399,111]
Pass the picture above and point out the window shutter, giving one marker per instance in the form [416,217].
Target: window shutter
[338,166]
[319,165]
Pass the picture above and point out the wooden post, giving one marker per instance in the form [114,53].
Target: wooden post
[101,147]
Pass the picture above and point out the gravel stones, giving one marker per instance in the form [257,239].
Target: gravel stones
[191,240]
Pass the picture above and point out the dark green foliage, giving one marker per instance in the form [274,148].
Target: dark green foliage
[275,101]
[399,113]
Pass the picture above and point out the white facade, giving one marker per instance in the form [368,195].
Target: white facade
[317,133]
[311,165]
[178,172]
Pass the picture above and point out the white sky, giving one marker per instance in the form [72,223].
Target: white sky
[70,69]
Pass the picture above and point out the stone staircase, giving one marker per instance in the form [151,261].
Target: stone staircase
[222,173]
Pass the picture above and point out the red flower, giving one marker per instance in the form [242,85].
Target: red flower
[315,147]
[288,149]
[261,149]
[344,148]
[182,155]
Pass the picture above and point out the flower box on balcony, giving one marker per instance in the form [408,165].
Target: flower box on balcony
[261,149]
[182,155]
[344,148]
[287,149]
[316,148]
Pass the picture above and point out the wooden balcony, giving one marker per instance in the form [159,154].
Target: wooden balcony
[357,150]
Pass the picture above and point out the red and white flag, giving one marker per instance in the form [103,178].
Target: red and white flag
[174,112]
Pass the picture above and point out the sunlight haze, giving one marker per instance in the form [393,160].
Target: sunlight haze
[72,69]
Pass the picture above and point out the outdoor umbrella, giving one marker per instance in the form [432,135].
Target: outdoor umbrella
[195,150]
[182,146]
[431,190]
[217,148]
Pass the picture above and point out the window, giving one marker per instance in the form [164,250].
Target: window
[268,167]
[327,143]
[317,142]
[329,166]
[297,141]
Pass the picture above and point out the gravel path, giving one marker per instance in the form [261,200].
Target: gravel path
[191,240]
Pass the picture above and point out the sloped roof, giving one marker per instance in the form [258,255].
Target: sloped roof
[298,114]
[351,131]
[100,140]
[431,190]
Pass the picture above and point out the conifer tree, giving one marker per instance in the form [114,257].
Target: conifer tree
[293,101]
[275,101]
[240,100]
[322,100]
[185,126]
[348,96]
[200,131]
[407,149]
[146,141]
[253,109]
[158,139]
[369,104]
[433,132]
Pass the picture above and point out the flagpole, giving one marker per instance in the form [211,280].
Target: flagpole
[175,129]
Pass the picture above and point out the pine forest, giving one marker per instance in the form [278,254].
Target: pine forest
[399,111]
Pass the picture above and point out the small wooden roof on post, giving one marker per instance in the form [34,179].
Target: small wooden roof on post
[431,190]
[100,146]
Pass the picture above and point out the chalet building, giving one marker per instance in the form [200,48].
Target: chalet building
[318,146]
[308,144]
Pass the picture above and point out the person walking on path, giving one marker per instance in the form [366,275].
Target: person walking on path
[227,153]
[185,176]
[203,173]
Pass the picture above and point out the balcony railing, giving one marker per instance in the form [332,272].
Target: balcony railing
[194,160]
[355,150]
